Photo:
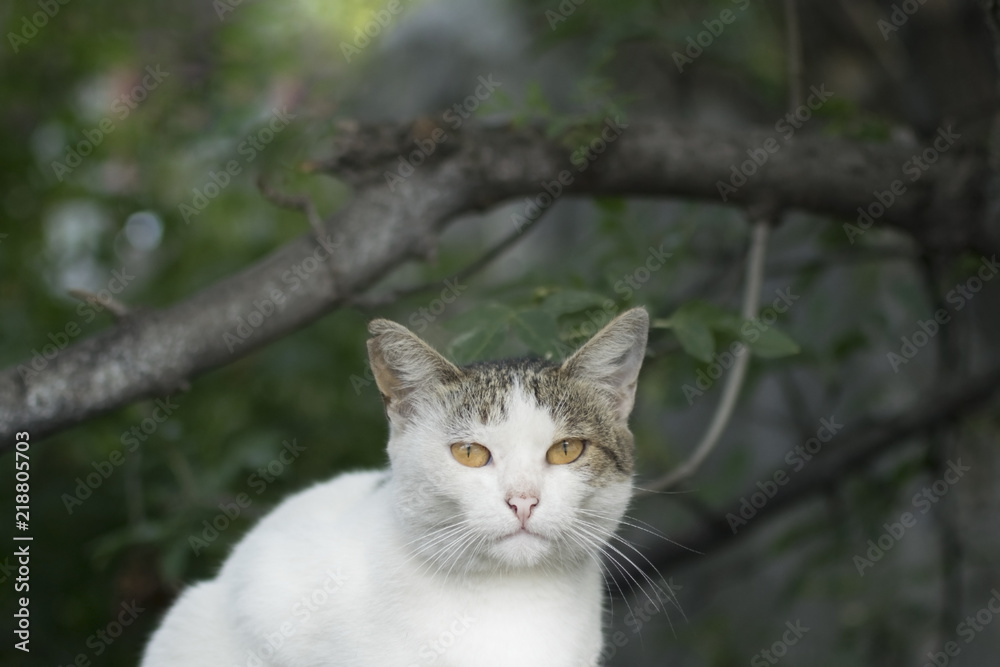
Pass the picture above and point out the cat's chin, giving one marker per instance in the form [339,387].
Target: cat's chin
[522,549]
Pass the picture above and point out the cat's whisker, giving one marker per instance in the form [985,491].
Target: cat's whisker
[663,493]
[618,566]
[667,595]
[585,528]
[610,558]
[439,556]
[602,568]
[594,545]
[434,543]
[458,556]
[438,527]
[626,520]
[615,536]
[454,551]
[438,548]
[651,530]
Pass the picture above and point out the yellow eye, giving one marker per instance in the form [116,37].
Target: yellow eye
[565,451]
[470,454]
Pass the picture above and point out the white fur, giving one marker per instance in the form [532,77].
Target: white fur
[376,569]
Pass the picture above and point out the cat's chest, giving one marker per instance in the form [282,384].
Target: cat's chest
[535,620]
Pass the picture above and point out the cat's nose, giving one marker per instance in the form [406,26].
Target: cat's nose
[522,505]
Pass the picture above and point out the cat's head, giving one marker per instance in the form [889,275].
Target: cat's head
[515,464]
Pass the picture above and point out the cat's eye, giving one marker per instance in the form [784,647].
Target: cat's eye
[470,454]
[565,451]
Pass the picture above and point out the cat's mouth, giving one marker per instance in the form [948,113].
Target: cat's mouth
[522,532]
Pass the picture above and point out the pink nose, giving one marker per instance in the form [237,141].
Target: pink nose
[522,506]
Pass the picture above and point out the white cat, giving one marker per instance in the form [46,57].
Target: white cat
[479,547]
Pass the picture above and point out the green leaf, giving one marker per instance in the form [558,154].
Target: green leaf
[695,321]
[772,343]
[538,329]
[484,337]
[476,316]
[569,301]
[715,318]
[694,335]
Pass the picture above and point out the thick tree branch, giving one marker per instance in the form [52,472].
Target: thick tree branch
[154,352]
[824,175]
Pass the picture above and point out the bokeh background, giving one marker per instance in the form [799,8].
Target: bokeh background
[183,85]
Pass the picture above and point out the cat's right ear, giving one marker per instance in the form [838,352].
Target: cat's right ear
[403,365]
[612,358]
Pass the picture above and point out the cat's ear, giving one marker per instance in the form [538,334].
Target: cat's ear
[403,365]
[613,357]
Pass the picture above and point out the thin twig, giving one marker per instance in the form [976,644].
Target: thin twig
[295,203]
[115,307]
[763,221]
[304,204]
[470,269]
[734,381]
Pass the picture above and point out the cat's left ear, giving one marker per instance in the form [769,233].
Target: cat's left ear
[613,357]
[403,365]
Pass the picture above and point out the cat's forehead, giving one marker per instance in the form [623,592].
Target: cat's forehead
[489,390]
[500,392]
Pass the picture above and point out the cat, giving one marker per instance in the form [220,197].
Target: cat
[480,546]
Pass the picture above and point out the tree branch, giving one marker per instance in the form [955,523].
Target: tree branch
[857,447]
[152,353]
[472,268]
